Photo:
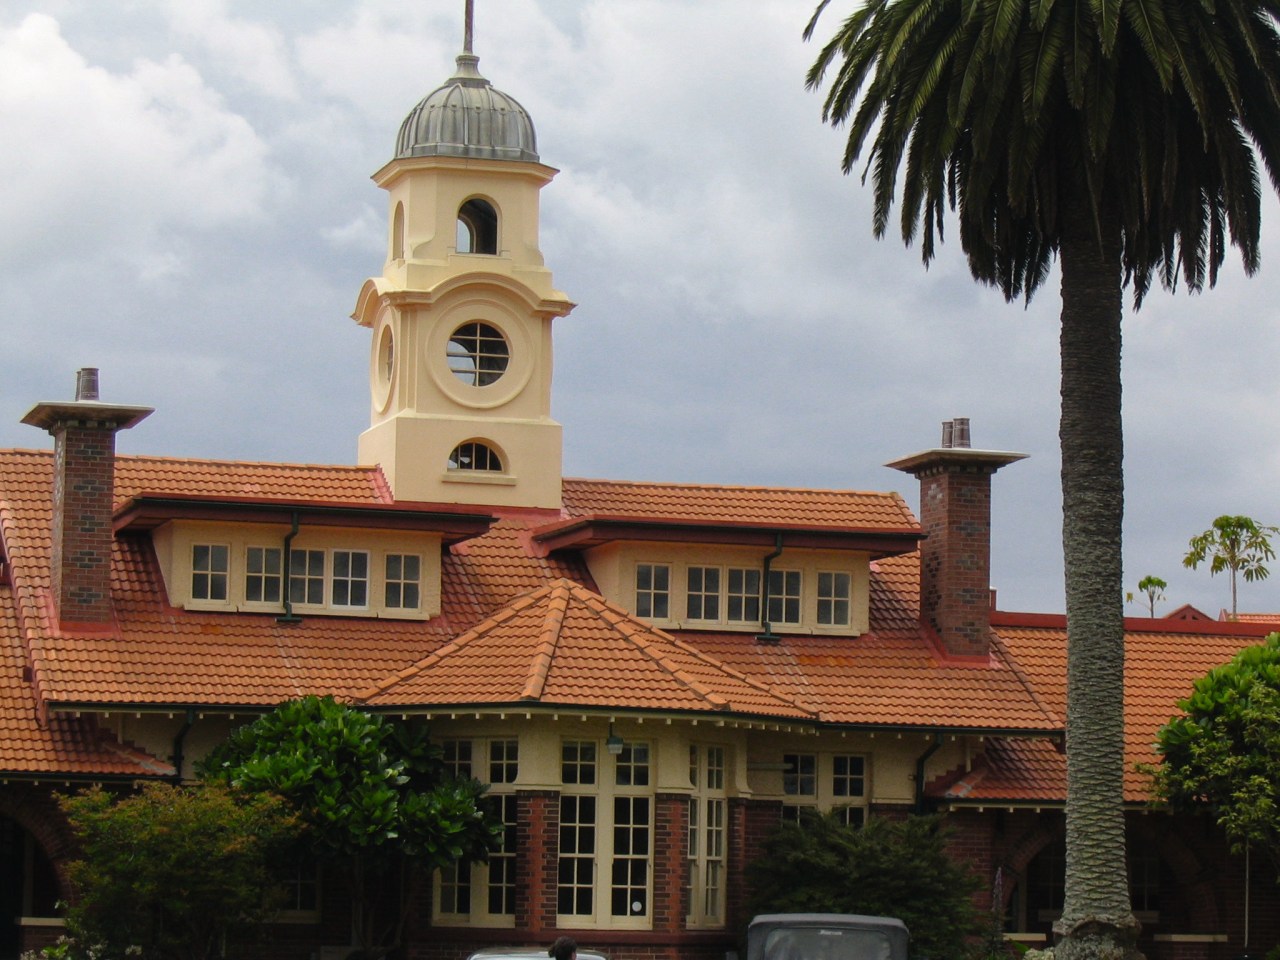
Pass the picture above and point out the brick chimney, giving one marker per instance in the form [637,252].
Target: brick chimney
[84,434]
[955,557]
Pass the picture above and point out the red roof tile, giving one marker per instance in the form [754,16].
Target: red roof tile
[1162,658]
[769,506]
[564,645]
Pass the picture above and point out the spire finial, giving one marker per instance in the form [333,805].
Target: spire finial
[468,28]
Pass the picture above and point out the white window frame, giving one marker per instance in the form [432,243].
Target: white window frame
[349,578]
[646,598]
[210,572]
[608,796]
[707,849]
[823,788]
[264,575]
[402,582]
[834,597]
[481,757]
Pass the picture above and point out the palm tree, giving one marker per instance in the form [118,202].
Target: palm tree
[1120,136]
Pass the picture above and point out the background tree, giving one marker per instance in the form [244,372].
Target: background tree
[887,868]
[1222,757]
[375,797]
[175,871]
[1151,587]
[1120,136]
[1237,544]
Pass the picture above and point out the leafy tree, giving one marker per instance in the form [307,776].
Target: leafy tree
[376,799]
[1153,589]
[887,868]
[1238,544]
[1222,757]
[174,871]
[1118,136]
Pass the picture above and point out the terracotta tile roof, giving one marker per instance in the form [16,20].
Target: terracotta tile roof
[564,645]
[768,506]
[62,745]
[160,656]
[1162,658]
[1012,770]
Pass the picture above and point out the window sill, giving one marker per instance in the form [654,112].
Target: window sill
[478,476]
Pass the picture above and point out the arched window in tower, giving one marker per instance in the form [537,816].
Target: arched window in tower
[477,227]
[478,353]
[477,456]
[397,233]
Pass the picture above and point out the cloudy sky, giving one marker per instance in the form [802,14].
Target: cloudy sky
[185,203]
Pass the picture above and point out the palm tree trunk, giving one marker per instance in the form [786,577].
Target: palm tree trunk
[1097,919]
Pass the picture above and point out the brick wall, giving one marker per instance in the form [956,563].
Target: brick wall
[955,560]
[84,474]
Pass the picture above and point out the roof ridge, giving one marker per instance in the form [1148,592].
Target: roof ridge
[502,615]
[633,629]
[1015,667]
[687,485]
[548,639]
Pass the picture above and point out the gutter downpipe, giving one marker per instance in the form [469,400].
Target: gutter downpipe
[179,743]
[768,636]
[288,616]
[920,762]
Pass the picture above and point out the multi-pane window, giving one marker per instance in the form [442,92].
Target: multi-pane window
[402,581]
[301,889]
[578,761]
[706,865]
[575,887]
[632,766]
[504,761]
[606,833]
[702,593]
[478,354]
[484,891]
[474,455]
[833,599]
[653,591]
[629,887]
[799,784]
[501,880]
[263,574]
[784,596]
[210,568]
[835,782]
[849,788]
[350,578]
[743,600]
[306,576]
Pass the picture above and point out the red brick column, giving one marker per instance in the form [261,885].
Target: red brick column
[750,823]
[538,841]
[670,858]
[83,487]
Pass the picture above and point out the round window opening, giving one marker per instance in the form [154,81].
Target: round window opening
[478,354]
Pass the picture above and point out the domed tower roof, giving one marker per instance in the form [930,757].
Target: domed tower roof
[468,117]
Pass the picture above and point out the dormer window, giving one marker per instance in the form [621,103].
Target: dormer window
[475,456]
[210,568]
[263,575]
[477,227]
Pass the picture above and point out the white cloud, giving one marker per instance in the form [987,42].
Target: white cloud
[254,52]
[97,163]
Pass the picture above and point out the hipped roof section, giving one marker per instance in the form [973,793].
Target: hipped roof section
[565,646]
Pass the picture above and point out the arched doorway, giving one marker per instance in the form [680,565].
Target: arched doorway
[28,884]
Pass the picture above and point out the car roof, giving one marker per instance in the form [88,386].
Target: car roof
[527,953]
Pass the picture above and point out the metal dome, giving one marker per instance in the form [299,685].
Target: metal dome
[468,117]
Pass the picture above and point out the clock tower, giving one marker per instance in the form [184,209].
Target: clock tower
[461,360]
